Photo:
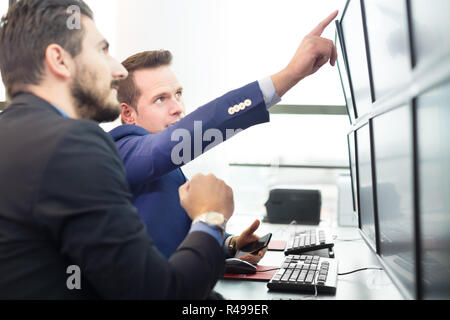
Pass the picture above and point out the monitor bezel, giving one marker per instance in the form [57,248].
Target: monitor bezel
[367,53]
[375,247]
[351,136]
[352,112]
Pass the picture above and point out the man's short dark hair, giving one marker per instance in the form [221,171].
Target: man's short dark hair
[26,31]
[128,92]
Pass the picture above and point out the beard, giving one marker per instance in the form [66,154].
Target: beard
[92,103]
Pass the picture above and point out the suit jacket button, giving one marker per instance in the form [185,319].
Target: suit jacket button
[248,102]
[242,106]
[231,111]
[237,108]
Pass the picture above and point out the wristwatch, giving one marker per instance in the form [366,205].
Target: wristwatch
[212,219]
[232,246]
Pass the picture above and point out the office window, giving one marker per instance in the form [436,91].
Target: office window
[3,10]
[430,26]
[353,38]
[393,149]
[433,118]
[387,28]
[365,186]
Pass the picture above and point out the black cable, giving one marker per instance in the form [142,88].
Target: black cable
[362,269]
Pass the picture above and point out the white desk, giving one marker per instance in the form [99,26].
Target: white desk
[351,255]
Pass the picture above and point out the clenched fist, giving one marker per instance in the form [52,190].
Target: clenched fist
[206,194]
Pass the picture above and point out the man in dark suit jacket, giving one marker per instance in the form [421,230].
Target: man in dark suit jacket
[68,229]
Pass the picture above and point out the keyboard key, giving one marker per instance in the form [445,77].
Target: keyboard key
[302,276]
[294,275]
[302,242]
[307,242]
[309,279]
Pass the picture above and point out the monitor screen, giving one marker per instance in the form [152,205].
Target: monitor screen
[388,44]
[355,47]
[343,72]
[394,176]
[365,188]
[353,173]
[433,139]
[430,25]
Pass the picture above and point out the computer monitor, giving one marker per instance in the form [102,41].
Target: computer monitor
[430,25]
[343,72]
[402,147]
[433,141]
[353,173]
[394,175]
[353,40]
[366,205]
[388,43]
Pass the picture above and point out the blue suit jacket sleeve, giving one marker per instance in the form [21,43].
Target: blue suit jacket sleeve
[151,156]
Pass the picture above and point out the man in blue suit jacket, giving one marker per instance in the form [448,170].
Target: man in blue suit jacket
[149,140]
[147,145]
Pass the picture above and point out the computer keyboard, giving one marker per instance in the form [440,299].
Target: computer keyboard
[308,240]
[305,273]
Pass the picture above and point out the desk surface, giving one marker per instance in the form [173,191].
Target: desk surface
[350,250]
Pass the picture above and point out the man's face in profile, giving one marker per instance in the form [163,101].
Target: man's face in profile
[161,102]
[96,81]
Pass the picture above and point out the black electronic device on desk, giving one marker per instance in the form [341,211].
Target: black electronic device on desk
[254,247]
[238,266]
[302,273]
[287,205]
[309,240]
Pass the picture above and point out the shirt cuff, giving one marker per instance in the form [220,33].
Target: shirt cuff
[203,227]
[268,90]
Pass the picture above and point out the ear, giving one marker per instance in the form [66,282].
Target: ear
[129,114]
[59,62]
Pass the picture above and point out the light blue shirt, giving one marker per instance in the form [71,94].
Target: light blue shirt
[65,115]
[268,90]
[201,226]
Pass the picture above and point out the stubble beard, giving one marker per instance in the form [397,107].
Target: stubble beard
[92,104]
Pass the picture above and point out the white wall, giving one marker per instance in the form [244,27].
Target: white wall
[106,17]
[219,45]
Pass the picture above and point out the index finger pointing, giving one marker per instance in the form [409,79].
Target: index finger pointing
[321,27]
[250,230]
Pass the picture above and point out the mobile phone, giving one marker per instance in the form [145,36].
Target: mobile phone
[254,246]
